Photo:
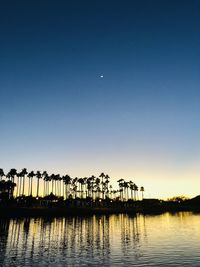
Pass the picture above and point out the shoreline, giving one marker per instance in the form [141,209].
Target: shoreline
[13,211]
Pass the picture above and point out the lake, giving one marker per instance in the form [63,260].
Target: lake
[114,240]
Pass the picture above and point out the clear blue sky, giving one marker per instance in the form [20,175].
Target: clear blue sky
[140,121]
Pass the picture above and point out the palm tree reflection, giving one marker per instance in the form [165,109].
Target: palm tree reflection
[71,241]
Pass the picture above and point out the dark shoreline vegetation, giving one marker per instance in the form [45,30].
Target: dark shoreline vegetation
[39,207]
[62,196]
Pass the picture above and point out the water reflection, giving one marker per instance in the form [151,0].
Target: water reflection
[117,240]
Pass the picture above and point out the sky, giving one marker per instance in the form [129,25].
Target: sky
[140,121]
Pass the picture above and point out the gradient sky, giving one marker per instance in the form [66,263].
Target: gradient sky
[141,121]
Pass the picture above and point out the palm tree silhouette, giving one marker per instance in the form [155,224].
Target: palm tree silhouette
[18,185]
[67,181]
[57,180]
[102,176]
[45,179]
[131,188]
[48,180]
[23,175]
[52,179]
[106,185]
[142,190]
[85,187]
[20,177]
[11,176]
[74,186]
[7,188]
[30,176]
[135,188]
[89,186]
[126,186]
[121,184]
[59,185]
[98,189]
[92,179]
[81,183]
[39,176]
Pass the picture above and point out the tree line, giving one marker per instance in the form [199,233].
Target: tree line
[22,184]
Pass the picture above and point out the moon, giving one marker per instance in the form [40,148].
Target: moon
[101,76]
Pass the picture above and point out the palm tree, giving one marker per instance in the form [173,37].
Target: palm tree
[7,188]
[67,181]
[20,177]
[142,190]
[135,191]
[48,180]
[74,186]
[121,184]
[92,180]
[10,186]
[102,176]
[39,176]
[23,174]
[98,189]
[11,176]
[45,179]
[126,186]
[89,186]
[57,185]
[30,187]
[44,174]
[111,192]
[52,179]
[18,185]
[106,184]
[131,188]
[81,183]
[85,187]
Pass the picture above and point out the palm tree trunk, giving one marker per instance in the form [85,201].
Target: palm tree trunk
[23,179]
[37,187]
[44,191]
[20,182]
[17,193]
[31,189]
[52,186]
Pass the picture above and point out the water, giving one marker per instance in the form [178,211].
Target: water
[116,240]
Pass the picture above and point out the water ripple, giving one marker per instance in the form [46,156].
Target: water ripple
[116,240]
